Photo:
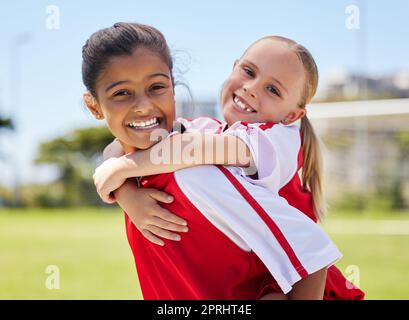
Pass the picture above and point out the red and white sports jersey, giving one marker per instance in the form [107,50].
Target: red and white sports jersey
[277,152]
[289,243]
[204,264]
[274,147]
[201,124]
[239,240]
[253,233]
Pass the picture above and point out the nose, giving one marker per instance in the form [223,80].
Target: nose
[142,107]
[249,90]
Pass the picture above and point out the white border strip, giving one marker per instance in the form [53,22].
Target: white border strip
[358,108]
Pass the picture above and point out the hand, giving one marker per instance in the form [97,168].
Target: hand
[108,177]
[153,221]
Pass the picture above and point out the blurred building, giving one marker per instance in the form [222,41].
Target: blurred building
[342,85]
[193,109]
[363,151]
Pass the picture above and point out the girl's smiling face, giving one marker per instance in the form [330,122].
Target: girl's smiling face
[266,85]
[135,95]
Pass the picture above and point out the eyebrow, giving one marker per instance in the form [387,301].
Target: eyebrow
[274,79]
[158,74]
[116,83]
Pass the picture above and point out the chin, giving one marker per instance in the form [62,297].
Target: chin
[227,115]
[231,118]
[142,145]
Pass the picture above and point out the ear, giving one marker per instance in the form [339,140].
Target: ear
[93,105]
[294,116]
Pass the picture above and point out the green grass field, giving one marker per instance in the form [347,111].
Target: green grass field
[90,249]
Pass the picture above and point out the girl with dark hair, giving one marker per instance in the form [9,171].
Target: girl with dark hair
[254,243]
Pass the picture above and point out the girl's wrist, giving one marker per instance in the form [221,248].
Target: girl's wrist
[128,167]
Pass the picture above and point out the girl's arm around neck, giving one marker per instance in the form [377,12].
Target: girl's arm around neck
[171,154]
[186,150]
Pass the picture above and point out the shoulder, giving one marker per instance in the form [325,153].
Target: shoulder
[200,123]
[285,140]
[289,133]
[279,132]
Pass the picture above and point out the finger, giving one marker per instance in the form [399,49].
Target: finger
[101,195]
[110,200]
[108,197]
[163,233]
[152,238]
[156,221]
[112,197]
[169,216]
[161,196]
[104,196]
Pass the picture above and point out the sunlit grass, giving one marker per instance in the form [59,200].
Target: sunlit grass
[378,244]
[90,248]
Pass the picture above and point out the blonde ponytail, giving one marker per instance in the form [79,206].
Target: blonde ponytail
[312,167]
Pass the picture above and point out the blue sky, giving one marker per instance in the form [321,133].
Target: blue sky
[209,34]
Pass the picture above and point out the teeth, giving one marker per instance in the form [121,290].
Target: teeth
[144,124]
[242,105]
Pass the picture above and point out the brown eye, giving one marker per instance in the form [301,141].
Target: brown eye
[156,88]
[121,93]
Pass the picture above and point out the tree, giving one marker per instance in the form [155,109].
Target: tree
[75,157]
[6,123]
[402,139]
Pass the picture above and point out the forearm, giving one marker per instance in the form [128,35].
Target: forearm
[274,296]
[310,288]
[188,150]
[123,192]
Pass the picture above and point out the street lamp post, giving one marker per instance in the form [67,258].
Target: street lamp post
[14,90]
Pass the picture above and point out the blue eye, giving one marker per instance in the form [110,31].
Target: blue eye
[248,71]
[273,90]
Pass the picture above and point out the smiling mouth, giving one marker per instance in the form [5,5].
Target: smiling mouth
[145,124]
[242,105]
